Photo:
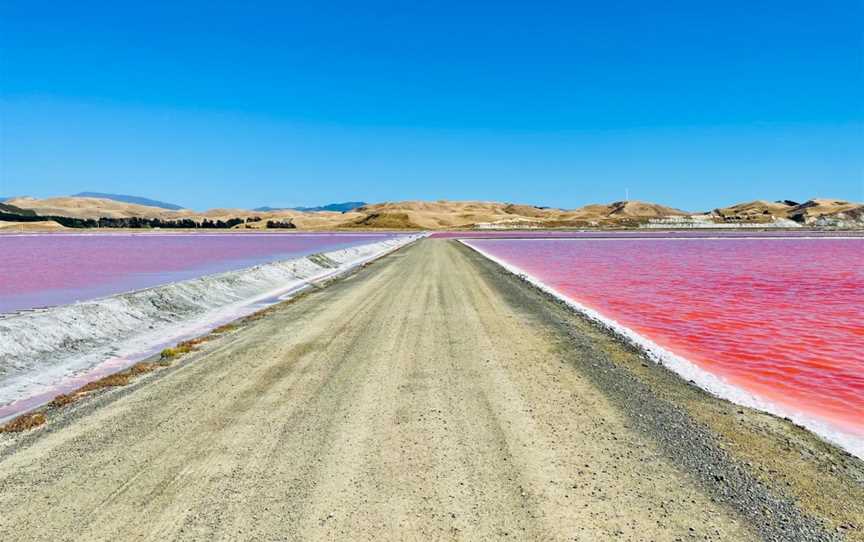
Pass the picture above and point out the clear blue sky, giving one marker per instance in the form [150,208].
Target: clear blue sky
[691,104]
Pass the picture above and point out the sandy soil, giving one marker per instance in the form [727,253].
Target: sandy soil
[429,396]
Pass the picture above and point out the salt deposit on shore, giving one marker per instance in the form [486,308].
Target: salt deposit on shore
[709,382]
[41,349]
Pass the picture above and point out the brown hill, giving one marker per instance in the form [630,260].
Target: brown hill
[391,215]
[88,207]
[84,207]
[623,210]
[815,212]
[389,221]
[758,211]
[451,214]
[825,209]
[39,226]
[437,215]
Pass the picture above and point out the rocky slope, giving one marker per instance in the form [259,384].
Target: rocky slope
[815,212]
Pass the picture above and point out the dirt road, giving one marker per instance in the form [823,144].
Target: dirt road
[418,399]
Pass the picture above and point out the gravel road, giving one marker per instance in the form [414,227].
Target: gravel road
[416,399]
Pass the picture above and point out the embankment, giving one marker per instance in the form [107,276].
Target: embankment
[716,385]
[432,397]
[40,349]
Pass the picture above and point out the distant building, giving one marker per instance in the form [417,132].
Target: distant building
[708,222]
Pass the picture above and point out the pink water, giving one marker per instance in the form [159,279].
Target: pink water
[55,269]
[641,234]
[780,318]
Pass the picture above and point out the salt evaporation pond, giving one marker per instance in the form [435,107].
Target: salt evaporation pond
[166,289]
[56,269]
[778,321]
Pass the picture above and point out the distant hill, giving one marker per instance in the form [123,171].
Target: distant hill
[623,210]
[336,207]
[443,214]
[137,200]
[490,214]
[18,220]
[11,209]
[87,207]
[814,212]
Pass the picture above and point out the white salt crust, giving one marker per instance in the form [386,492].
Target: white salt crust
[852,443]
[39,349]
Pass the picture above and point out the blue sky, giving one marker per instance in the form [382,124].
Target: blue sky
[691,104]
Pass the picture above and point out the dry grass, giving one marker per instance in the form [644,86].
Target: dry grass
[24,422]
[169,353]
[273,308]
[110,381]
[141,368]
[63,399]
[183,348]
[264,312]
[121,378]
[252,317]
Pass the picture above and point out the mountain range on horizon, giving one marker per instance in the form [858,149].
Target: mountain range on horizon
[334,207]
[138,200]
[442,214]
[340,207]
